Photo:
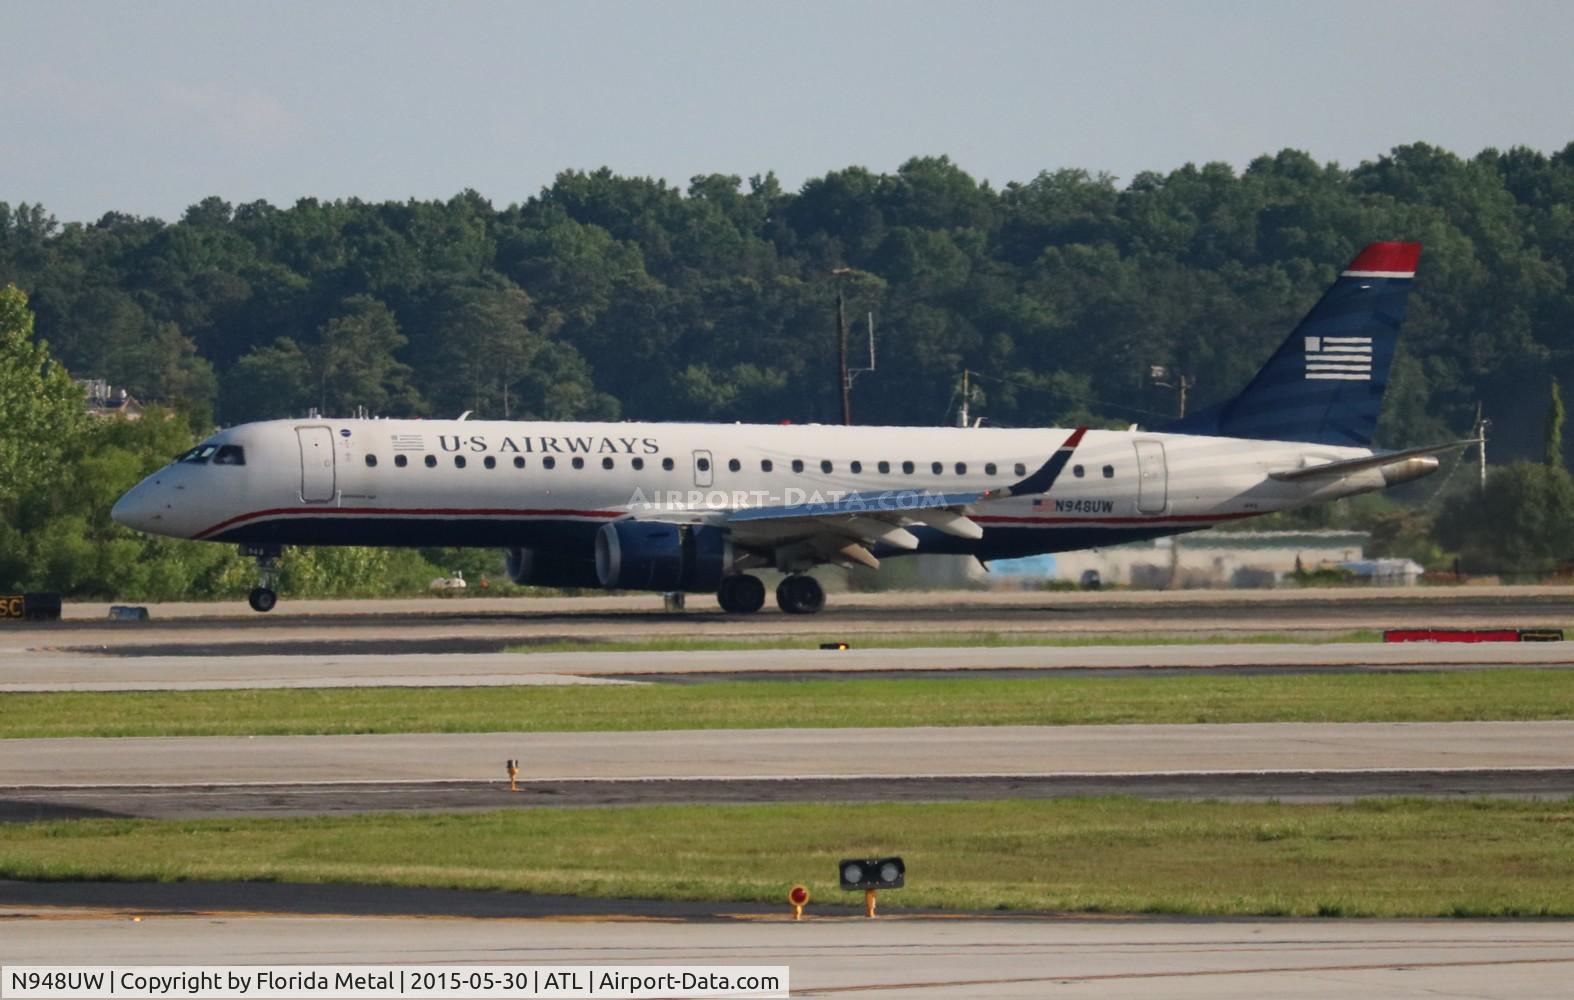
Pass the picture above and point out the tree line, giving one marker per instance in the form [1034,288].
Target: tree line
[606,296]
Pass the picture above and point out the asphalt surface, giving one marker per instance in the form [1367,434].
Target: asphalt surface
[36,804]
[75,670]
[769,754]
[897,955]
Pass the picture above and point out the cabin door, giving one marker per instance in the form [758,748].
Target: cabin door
[1152,478]
[317,482]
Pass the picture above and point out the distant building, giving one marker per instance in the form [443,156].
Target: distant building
[1204,559]
[104,400]
[1386,572]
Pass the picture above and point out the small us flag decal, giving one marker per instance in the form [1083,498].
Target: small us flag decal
[408,442]
[1347,359]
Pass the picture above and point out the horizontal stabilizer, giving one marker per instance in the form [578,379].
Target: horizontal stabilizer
[1348,466]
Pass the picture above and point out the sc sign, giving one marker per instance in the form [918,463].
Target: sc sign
[30,607]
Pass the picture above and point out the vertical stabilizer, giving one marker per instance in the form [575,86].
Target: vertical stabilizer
[1325,383]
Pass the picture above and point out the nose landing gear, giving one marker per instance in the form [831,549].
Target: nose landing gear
[263,598]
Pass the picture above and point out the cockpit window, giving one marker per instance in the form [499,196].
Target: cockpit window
[200,454]
[230,454]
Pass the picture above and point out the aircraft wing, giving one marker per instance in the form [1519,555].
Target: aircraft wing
[847,529]
[1348,466]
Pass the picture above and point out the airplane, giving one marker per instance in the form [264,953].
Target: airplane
[696,507]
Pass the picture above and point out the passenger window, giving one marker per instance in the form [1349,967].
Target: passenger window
[936,468]
[400,461]
[857,467]
[1109,472]
[230,454]
[1021,469]
[459,461]
[371,461]
[765,465]
[733,465]
[607,463]
[431,461]
[519,461]
[961,468]
[548,462]
[907,468]
[577,462]
[797,465]
[884,467]
[666,463]
[1077,470]
[637,463]
[989,469]
[825,465]
[703,464]
[489,462]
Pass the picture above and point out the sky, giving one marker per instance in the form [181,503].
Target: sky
[147,108]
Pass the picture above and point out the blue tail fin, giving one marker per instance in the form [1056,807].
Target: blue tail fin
[1325,383]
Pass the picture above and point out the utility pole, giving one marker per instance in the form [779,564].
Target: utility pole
[1481,448]
[1181,384]
[842,382]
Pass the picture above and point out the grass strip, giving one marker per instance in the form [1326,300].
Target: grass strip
[1376,858]
[942,640]
[1449,696]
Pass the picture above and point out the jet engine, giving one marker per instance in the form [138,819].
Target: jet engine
[657,555]
[534,568]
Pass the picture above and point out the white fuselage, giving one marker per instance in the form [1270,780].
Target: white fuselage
[513,483]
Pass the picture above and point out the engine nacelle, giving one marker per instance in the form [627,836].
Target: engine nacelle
[658,555]
[530,567]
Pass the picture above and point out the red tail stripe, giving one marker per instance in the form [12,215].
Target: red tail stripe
[1401,257]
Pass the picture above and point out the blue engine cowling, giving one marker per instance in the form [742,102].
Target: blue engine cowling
[656,555]
[538,568]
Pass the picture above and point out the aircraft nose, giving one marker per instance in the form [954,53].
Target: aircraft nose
[138,509]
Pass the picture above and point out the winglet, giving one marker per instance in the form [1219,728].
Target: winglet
[1044,478]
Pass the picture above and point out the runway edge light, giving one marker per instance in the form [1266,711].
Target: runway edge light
[513,774]
[798,896]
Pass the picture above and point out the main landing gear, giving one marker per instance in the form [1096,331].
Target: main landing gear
[800,595]
[741,594]
[263,598]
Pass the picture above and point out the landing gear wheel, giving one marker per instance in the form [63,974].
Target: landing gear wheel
[262,599]
[741,594]
[800,595]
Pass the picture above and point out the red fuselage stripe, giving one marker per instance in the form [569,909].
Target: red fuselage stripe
[400,511]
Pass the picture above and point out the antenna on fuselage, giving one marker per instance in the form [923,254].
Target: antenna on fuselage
[466,415]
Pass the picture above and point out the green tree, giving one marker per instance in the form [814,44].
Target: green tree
[41,414]
[1523,522]
[353,364]
[1553,437]
[269,382]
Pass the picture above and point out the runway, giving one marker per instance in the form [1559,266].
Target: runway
[75,670]
[305,775]
[488,625]
[38,804]
[790,753]
[894,956]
